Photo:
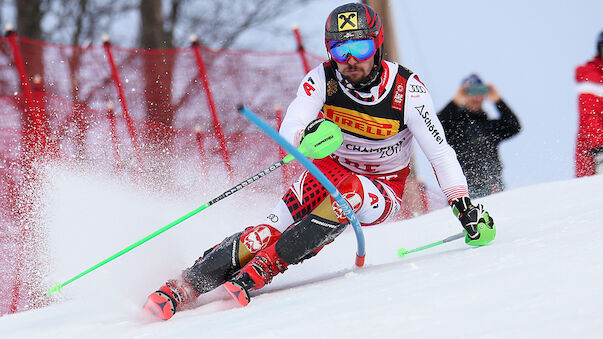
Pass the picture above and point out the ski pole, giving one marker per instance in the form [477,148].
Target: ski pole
[328,146]
[403,251]
[241,185]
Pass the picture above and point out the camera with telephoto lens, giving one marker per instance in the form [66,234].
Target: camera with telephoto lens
[477,89]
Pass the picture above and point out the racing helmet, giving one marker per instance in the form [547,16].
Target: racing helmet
[355,21]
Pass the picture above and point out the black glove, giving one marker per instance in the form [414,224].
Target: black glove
[312,127]
[477,223]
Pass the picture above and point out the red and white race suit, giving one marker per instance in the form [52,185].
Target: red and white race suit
[378,128]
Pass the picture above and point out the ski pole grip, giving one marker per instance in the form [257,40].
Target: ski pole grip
[324,140]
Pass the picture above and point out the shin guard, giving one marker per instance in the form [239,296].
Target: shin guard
[302,240]
[217,266]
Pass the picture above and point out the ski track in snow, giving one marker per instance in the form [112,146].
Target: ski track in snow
[541,277]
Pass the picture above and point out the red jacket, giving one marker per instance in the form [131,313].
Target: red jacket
[590,110]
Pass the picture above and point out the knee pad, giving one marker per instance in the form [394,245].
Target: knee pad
[259,237]
[352,191]
[372,201]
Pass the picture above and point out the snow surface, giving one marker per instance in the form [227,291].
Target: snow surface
[540,278]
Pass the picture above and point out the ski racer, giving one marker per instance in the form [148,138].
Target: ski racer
[380,107]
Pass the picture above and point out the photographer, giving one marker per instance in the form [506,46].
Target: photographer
[474,137]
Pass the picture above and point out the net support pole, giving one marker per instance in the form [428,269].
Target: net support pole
[301,50]
[33,146]
[114,137]
[122,101]
[33,130]
[212,107]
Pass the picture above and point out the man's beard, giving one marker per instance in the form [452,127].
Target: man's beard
[357,78]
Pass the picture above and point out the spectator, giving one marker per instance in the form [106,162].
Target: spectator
[474,137]
[589,146]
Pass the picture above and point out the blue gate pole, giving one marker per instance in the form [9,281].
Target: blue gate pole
[347,209]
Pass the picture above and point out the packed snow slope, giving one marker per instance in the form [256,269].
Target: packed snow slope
[540,278]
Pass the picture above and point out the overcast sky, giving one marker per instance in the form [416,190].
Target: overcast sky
[527,49]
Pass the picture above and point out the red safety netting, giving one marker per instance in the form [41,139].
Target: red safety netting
[128,111]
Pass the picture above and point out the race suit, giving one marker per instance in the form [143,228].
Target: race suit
[368,169]
[378,128]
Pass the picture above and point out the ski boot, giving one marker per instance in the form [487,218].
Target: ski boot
[256,274]
[170,298]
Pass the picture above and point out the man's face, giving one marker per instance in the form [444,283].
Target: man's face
[355,71]
[474,102]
